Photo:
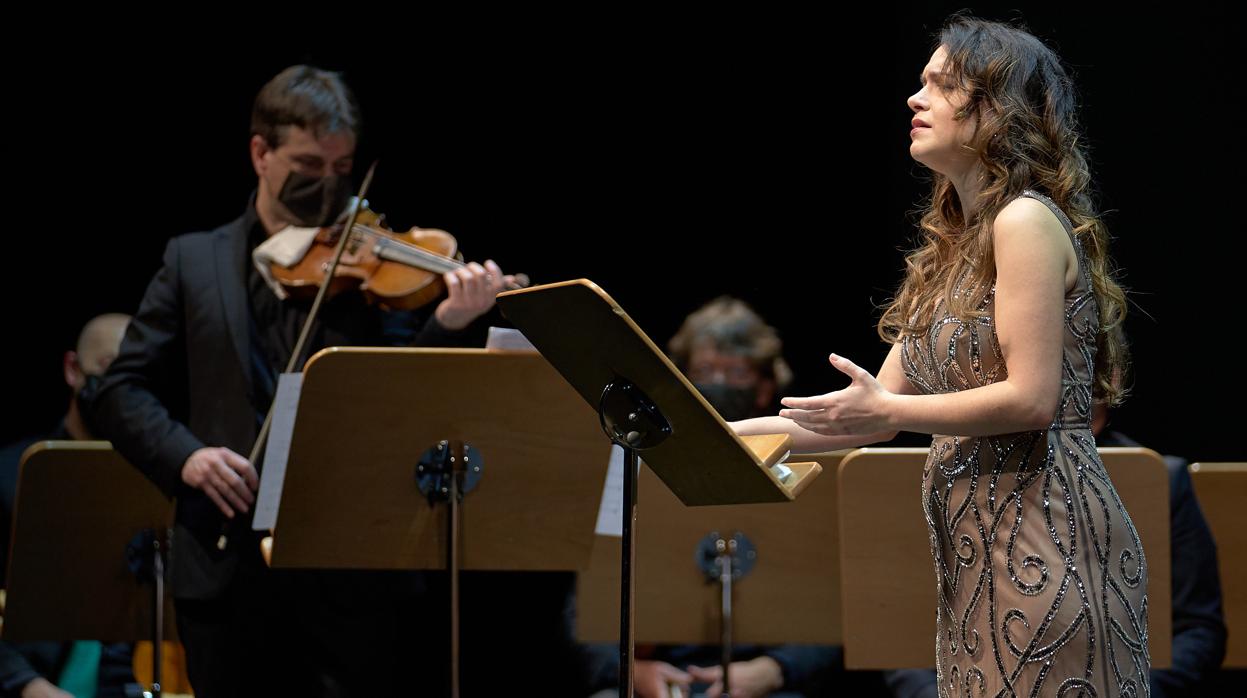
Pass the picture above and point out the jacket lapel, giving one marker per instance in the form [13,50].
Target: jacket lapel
[230,256]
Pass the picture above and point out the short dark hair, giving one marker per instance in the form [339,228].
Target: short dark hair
[307,97]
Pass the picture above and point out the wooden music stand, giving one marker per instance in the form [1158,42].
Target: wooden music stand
[887,548]
[89,537]
[388,442]
[1222,492]
[792,594]
[795,547]
[645,404]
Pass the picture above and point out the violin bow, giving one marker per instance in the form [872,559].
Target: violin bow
[293,365]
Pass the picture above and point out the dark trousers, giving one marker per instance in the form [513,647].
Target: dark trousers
[339,633]
[516,635]
[300,632]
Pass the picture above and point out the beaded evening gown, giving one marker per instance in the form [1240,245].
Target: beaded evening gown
[1040,575]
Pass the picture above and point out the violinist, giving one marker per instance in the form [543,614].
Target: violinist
[187,394]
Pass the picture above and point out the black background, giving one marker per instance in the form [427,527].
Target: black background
[669,159]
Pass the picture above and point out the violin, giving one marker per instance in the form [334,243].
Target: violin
[399,271]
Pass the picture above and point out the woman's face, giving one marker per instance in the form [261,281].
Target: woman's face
[938,139]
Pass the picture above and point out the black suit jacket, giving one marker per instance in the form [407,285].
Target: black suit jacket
[182,381]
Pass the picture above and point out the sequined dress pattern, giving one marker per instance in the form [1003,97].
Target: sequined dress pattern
[1040,574]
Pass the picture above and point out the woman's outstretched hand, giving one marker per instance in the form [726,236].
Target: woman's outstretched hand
[861,408]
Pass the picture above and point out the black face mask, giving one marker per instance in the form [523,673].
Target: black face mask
[85,397]
[732,403]
[315,201]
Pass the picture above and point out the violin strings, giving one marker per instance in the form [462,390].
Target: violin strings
[444,263]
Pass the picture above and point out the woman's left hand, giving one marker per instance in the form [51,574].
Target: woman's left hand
[861,408]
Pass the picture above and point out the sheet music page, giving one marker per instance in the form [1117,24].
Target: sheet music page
[610,512]
[277,451]
[507,338]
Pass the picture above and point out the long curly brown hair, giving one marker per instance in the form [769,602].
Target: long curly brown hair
[1027,137]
